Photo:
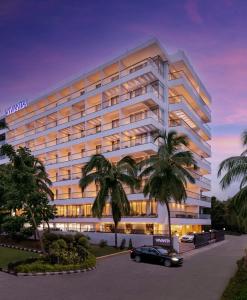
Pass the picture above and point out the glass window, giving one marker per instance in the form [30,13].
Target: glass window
[115,123]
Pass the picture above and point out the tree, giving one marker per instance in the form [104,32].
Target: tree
[110,177]
[235,170]
[166,173]
[218,213]
[27,187]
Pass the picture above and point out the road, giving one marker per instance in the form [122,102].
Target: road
[203,276]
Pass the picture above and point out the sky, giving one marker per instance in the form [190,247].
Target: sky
[43,42]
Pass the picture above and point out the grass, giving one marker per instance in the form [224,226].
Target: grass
[32,244]
[8,255]
[101,251]
[237,286]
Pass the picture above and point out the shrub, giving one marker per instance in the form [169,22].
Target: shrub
[13,225]
[237,286]
[77,236]
[84,242]
[102,243]
[122,245]
[48,238]
[130,244]
[43,266]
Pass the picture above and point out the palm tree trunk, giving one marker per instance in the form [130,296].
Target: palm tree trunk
[115,233]
[169,226]
[48,226]
[37,231]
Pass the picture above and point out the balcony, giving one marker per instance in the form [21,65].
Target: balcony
[83,93]
[150,90]
[179,103]
[180,82]
[191,133]
[146,118]
[197,196]
[188,215]
[124,145]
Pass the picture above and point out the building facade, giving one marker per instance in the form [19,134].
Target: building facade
[114,110]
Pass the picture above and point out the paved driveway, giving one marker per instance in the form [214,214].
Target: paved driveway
[203,276]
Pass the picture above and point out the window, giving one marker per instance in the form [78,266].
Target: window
[115,123]
[114,100]
[139,67]
[82,93]
[98,128]
[116,77]
[98,85]
[115,145]
[69,155]
[98,149]
[138,116]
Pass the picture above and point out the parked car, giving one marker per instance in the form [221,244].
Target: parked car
[188,238]
[155,254]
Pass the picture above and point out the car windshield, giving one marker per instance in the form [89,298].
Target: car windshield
[162,250]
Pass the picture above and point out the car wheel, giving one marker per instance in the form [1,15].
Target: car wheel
[167,263]
[138,258]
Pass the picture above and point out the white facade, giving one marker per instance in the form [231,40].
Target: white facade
[113,110]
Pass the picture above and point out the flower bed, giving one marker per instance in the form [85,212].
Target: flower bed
[42,266]
[64,254]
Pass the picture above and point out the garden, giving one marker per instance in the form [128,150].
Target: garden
[63,252]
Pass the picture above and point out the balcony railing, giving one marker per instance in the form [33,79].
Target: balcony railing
[181,99]
[93,86]
[97,129]
[102,150]
[181,74]
[188,215]
[200,178]
[93,194]
[197,196]
[180,122]
[142,90]
[144,215]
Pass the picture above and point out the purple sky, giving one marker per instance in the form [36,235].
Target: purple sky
[44,42]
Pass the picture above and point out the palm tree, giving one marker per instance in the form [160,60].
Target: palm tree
[110,177]
[166,172]
[235,170]
[29,188]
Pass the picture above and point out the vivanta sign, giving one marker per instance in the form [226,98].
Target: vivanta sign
[16,107]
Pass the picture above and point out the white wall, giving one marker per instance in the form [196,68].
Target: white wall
[137,239]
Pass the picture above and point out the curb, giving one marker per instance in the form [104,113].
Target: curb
[113,254]
[20,248]
[49,273]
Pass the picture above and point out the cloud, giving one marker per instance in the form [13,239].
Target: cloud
[191,8]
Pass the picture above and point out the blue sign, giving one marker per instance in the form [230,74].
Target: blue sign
[16,107]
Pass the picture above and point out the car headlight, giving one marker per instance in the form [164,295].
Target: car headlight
[175,259]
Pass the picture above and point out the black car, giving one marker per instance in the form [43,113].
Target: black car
[155,254]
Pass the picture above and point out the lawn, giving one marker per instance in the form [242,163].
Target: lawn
[101,251]
[8,255]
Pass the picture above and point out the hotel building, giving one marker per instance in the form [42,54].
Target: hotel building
[114,110]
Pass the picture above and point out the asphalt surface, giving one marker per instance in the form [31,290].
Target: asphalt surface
[203,276]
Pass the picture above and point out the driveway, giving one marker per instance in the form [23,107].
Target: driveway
[203,276]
